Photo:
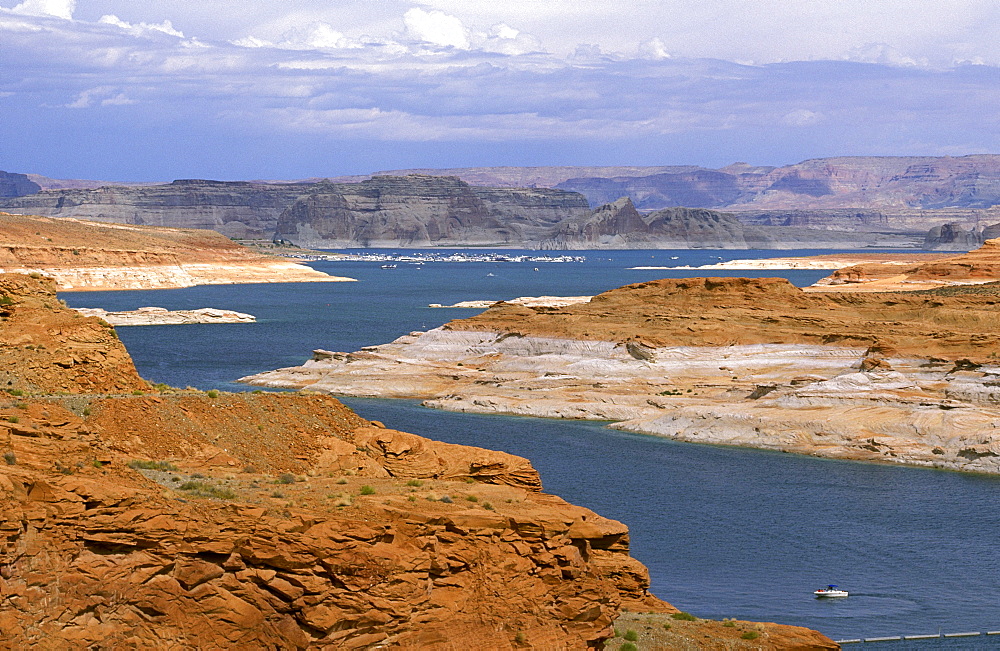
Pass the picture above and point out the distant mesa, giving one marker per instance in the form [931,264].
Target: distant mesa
[17,185]
[843,202]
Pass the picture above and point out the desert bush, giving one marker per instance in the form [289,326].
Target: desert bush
[687,617]
[367,490]
[631,635]
[138,464]
[285,478]
[204,489]
[415,482]
[750,635]
[10,458]
[471,498]
[628,646]
[212,393]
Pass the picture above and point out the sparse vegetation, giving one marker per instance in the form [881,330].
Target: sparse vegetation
[520,638]
[285,478]
[137,392]
[670,392]
[471,498]
[10,458]
[342,481]
[250,470]
[683,616]
[750,635]
[278,494]
[15,392]
[204,489]
[415,482]
[212,393]
[446,499]
[165,466]
[367,490]
[6,300]
[628,646]
[488,506]
[13,419]
[631,635]
[729,624]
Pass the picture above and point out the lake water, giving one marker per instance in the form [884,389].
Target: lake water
[725,532]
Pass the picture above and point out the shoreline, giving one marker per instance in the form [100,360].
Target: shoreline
[811,400]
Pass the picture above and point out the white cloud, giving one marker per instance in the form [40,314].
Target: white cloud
[436,28]
[653,49]
[141,29]
[801,118]
[57,8]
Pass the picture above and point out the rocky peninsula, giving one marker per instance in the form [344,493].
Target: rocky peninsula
[163,316]
[137,515]
[901,377]
[81,255]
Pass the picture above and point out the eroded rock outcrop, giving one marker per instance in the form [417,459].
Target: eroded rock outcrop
[171,519]
[900,377]
[975,267]
[81,255]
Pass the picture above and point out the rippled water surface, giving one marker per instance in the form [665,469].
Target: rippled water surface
[725,532]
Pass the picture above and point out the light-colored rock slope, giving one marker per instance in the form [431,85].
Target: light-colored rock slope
[907,378]
[81,255]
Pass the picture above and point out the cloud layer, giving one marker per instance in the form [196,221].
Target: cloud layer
[108,89]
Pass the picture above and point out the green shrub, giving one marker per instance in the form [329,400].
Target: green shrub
[285,478]
[415,482]
[687,617]
[137,392]
[471,498]
[10,458]
[212,393]
[487,506]
[278,494]
[16,392]
[631,635]
[13,419]
[728,624]
[750,635]
[204,489]
[666,626]
[520,638]
[367,490]
[628,646]
[165,466]
[6,300]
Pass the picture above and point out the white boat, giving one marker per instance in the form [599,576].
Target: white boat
[830,591]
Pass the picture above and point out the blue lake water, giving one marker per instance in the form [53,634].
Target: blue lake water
[725,532]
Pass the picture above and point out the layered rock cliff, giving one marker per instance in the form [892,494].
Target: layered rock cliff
[235,209]
[16,185]
[424,211]
[82,255]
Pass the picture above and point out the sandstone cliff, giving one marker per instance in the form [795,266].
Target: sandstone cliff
[421,211]
[235,209]
[138,516]
[82,255]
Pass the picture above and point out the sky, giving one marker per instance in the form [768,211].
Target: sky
[125,90]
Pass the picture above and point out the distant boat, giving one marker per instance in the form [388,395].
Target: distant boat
[830,591]
[489,274]
[388,266]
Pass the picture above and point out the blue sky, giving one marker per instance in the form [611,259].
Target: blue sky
[241,89]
